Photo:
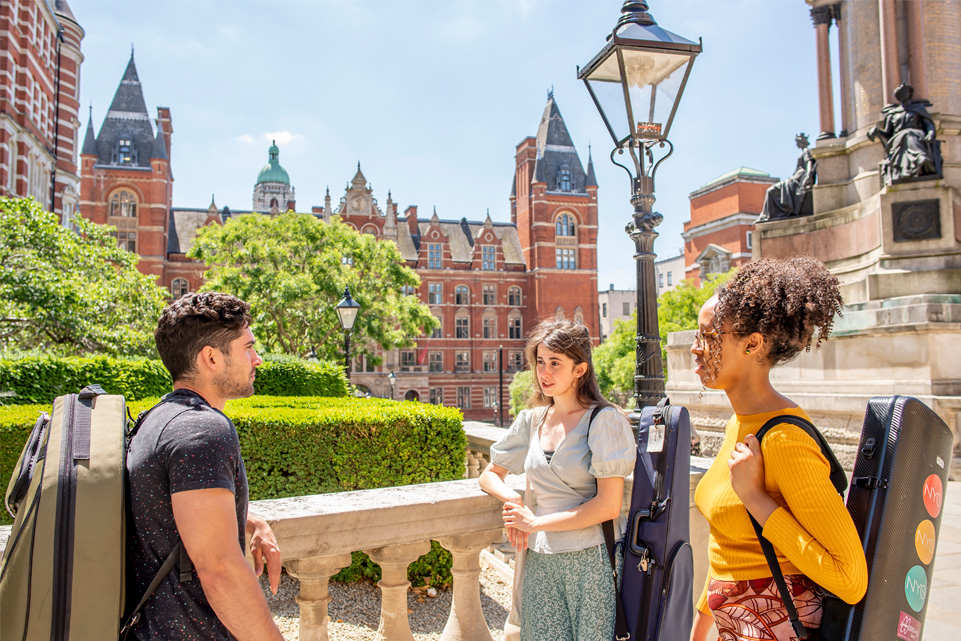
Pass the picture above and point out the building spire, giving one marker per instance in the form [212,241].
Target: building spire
[89,139]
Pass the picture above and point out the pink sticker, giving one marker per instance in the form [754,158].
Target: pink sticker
[909,628]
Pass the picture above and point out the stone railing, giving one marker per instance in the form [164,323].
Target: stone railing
[480,437]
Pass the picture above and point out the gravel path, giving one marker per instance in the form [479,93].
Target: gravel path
[355,609]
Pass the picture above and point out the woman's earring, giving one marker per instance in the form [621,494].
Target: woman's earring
[747,351]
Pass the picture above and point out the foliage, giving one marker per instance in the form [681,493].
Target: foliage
[71,292]
[677,311]
[37,378]
[293,268]
[614,361]
[520,390]
[295,446]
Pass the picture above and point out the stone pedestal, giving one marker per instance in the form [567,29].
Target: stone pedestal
[393,561]
[314,575]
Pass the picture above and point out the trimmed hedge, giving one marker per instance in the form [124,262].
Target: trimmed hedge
[295,446]
[36,378]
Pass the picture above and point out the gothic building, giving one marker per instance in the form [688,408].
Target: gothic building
[39,98]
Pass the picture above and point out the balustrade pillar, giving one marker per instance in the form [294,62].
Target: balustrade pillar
[314,574]
[466,621]
[393,561]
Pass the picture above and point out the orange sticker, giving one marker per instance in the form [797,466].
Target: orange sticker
[924,541]
[933,493]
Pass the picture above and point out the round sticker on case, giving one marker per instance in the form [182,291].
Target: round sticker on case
[933,492]
[916,588]
[924,541]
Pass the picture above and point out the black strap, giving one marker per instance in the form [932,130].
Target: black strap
[620,619]
[769,554]
[178,553]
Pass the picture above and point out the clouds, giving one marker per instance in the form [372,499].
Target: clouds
[278,137]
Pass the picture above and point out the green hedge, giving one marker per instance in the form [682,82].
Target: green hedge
[35,378]
[295,446]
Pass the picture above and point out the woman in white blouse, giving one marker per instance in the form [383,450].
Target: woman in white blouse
[580,477]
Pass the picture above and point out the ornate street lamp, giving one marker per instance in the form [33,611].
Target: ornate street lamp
[347,310]
[393,381]
[636,82]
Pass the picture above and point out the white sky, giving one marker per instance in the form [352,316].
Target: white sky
[431,96]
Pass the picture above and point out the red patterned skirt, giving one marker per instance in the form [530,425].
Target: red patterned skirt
[753,610]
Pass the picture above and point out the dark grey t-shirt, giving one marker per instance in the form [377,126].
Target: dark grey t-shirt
[183,444]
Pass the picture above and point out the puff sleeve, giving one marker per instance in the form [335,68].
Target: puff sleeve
[510,451]
[611,441]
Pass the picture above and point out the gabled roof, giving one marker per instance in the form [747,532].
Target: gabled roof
[461,236]
[556,152]
[127,119]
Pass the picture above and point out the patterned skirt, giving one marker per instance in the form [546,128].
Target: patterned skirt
[753,610]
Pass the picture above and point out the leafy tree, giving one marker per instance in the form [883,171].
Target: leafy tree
[293,268]
[71,292]
[520,390]
[677,311]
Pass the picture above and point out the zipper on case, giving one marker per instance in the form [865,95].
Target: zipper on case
[668,582]
[63,524]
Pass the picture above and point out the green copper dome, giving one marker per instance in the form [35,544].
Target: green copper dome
[272,171]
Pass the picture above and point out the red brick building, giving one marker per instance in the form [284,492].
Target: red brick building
[719,234]
[39,97]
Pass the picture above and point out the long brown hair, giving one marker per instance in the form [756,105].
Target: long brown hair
[574,341]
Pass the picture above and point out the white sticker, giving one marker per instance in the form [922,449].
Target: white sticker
[940,462]
[655,438]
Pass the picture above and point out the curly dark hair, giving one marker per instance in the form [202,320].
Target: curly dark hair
[195,321]
[785,300]
[574,341]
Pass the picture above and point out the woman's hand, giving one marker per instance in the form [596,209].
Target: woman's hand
[747,478]
[519,517]
[517,538]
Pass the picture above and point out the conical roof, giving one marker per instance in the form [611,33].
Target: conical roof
[89,139]
[591,179]
[272,171]
[159,145]
[556,153]
[127,120]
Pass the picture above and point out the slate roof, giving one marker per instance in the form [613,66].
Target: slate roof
[90,139]
[555,151]
[591,179]
[127,118]
[184,224]
[63,8]
[461,236]
[159,146]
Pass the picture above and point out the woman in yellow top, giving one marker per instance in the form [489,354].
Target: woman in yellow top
[763,317]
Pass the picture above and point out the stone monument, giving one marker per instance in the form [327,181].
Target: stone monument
[790,197]
[886,220]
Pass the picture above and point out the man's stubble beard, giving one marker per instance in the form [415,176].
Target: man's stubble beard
[234,384]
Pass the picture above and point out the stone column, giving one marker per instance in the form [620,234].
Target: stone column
[314,574]
[914,16]
[887,23]
[822,16]
[845,63]
[393,561]
[466,621]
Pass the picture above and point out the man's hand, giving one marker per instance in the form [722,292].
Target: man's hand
[264,548]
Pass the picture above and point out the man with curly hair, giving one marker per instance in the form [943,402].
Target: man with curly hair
[187,483]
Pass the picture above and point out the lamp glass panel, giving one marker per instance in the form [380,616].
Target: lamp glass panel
[609,94]
[654,80]
[347,316]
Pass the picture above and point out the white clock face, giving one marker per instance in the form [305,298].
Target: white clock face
[358,203]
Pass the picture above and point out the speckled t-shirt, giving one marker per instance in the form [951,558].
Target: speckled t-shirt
[183,444]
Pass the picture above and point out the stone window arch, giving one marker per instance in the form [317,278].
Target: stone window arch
[370,229]
[490,324]
[565,225]
[514,297]
[579,316]
[462,295]
[123,203]
[559,313]
[515,325]
[179,287]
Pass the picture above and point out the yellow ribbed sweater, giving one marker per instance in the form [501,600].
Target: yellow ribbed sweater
[812,532]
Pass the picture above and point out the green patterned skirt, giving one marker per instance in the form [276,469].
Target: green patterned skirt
[568,596]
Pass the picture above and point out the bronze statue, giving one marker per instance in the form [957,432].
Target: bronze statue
[786,198]
[908,136]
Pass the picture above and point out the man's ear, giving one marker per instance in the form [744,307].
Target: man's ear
[209,359]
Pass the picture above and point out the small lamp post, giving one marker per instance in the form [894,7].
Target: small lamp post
[347,310]
[392,378]
[636,82]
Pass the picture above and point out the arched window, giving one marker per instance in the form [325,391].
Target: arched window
[179,287]
[564,225]
[559,313]
[461,295]
[490,324]
[579,316]
[564,179]
[514,325]
[514,296]
[123,203]
[462,325]
[370,229]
